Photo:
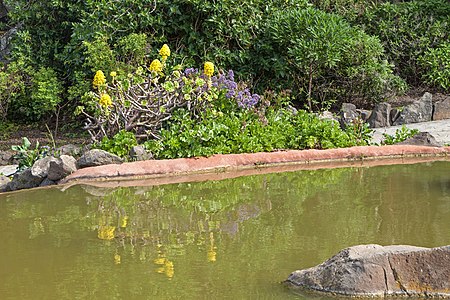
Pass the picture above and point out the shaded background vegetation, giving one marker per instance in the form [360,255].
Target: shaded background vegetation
[324,51]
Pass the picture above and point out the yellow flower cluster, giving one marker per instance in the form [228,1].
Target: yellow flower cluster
[164,52]
[99,79]
[156,66]
[105,100]
[106,232]
[208,69]
[113,74]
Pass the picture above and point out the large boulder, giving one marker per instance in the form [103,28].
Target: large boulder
[380,116]
[61,167]
[41,166]
[442,109]
[374,270]
[419,111]
[97,157]
[24,180]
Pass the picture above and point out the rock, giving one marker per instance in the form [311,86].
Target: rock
[5,41]
[4,181]
[139,153]
[395,113]
[8,170]
[97,157]
[364,114]
[47,182]
[41,166]
[374,270]
[419,111]
[442,110]
[421,139]
[380,116]
[7,158]
[69,149]
[24,180]
[347,114]
[61,167]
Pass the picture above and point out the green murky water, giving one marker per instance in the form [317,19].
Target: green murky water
[230,239]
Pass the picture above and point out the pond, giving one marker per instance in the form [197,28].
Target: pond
[231,239]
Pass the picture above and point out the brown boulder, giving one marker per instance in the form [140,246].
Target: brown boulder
[374,270]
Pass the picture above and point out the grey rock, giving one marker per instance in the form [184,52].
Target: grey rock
[24,180]
[47,182]
[374,270]
[97,157]
[347,114]
[61,167]
[395,113]
[364,114]
[4,181]
[8,170]
[419,111]
[41,166]
[139,153]
[5,40]
[327,115]
[442,110]
[421,139]
[380,116]
[7,158]
[69,149]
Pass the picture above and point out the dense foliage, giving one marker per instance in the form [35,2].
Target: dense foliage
[323,52]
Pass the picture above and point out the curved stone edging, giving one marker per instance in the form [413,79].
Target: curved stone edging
[233,162]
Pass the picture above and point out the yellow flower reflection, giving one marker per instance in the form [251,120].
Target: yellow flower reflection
[211,255]
[106,232]
[124,221]
[166,266]
[117,259]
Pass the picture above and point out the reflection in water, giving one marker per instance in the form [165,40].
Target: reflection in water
[236,238]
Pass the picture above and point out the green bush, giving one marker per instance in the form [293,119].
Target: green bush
[246,131]
[400,135]
[436,63]
[322,56]
[407,30]
[120,144]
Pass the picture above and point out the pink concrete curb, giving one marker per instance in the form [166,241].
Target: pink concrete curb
[235,162]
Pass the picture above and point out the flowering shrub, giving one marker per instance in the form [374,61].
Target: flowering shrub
[143,101]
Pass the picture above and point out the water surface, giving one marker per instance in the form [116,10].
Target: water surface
[231,239]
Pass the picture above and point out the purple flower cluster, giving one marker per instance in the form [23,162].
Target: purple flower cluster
[247,100]
[226,83]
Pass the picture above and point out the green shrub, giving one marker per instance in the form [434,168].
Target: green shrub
[400,135]
[120,144]
[322,56]
[436,63]
[246,131]
[407,30]
[26,155]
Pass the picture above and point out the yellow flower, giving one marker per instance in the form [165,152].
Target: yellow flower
[156,66]
[164,52]
[113,74]
[117,259]
[105,100]
[208,69]
[106,232]
[99,79]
